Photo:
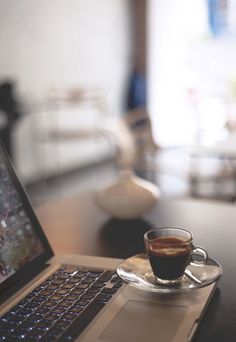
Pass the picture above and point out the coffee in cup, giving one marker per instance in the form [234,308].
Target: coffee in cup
[170,250]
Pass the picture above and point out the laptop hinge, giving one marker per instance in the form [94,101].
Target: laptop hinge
[23,281]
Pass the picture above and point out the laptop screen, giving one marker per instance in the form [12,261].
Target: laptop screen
[23,245]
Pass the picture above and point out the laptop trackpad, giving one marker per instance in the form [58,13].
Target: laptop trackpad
[144,321]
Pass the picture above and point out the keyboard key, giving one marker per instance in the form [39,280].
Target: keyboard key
[54,332]
[7,317]
[109,290]
[45,293]
[7,326]
[58,311]
[58,281]
[52,287]
[38,299]
[73,280]
[75,309]
[88,280]
[68,339]
[82,320]
[70,269]
[68,286]
[22,302]
[28,325]
[44,325]
[63,323]
[118,284]
[65,304]
[95,274]
[52,317]
[69,315]
[106,276]
[79,275]
[81,302]
[55,297]
[115,278]
[62,276]
[87,296]
[31,305]
[36,333]
[93,290]
[35,317]
[103,297]
[83,286]
[71,297]
[98,285]
[4,338]
[77,292]
[41,310]
[18,319]
[62,291]
[48,303]
[20,333]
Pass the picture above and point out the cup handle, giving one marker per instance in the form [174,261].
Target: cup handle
[199,251]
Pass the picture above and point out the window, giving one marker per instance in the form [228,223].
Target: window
[191,70]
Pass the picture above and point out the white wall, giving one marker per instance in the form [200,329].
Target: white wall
[51,44]
[59,42]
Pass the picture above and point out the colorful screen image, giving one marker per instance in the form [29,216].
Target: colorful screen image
[19,243]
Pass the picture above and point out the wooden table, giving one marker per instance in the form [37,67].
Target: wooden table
[76,225]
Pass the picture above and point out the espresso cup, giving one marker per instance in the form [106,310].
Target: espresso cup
[170,250]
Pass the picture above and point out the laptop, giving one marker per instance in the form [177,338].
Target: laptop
[47,297]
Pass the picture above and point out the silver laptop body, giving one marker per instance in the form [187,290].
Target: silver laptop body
[27,260]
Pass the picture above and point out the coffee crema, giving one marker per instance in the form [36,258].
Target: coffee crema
[169,256]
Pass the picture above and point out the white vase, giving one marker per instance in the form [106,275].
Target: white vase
[129,197]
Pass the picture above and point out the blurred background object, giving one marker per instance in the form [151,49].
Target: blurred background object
[10,112]
[145,83]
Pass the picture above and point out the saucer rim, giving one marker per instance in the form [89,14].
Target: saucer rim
[168,289]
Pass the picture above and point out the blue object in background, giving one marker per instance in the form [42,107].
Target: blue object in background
[217,16]
[137,92]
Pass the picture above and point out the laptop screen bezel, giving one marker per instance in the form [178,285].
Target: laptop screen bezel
[47,252]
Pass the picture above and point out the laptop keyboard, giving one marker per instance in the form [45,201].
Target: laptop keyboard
[61,307]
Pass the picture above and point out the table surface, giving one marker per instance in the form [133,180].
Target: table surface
[76,225]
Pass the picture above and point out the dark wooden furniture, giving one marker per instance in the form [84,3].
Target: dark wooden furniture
[76,225]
